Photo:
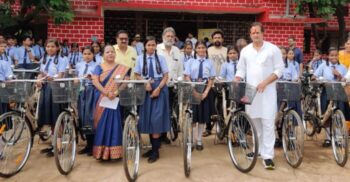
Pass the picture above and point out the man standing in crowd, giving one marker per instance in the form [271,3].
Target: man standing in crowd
[138,44]
[174,59]
[125,55]
[218,54]
[261,64]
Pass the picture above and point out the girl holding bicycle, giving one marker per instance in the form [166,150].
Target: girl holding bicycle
[85,102]
[331,70]
[201,69]
[52,65]
[5,70]
[155,111]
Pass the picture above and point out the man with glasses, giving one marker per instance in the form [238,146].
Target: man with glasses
[125,55]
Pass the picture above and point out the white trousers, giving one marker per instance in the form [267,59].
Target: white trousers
[265,129]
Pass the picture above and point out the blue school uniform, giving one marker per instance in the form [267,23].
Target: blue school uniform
[10,51]
[5,73]
[65,50]
[5,58]
[85,102]
[228,70]
[22,56]
[326,71]
[154,112]
[202,69]
[316,64]
[49,111]
[186,59]
[74,58]
[290,73]
[98,58]
[39,51]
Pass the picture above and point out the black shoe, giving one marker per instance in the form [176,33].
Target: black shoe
[47,150]
[278,143]
[268,164]
[199,147]
[206,133]
[326,143]
[165,140]
[147,154]
[50,154]
[153,158]
[83,151]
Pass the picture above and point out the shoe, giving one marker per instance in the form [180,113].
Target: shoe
[268,164]
[206,133]
[199,147]
[326,143]
[153,158]
[147,154]
[47,150]
[278,143]
[83,151]
[50,154]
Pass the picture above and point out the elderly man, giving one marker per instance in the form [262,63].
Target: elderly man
[174,59]
[261,64]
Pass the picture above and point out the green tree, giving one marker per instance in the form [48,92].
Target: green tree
[18,22]
[324,9]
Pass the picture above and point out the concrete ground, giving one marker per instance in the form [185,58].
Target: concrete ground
[211,164]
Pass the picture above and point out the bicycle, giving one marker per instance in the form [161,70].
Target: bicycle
[289,120]
[314,120]
[236,126]
[65,90]
[131,93]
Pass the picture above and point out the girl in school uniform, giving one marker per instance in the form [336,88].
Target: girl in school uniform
[52,65]
[5,71]
[200,69]
[188,52]
[154,113]
[85,102]
[75,56]
[97,52]
[331,70]
[229,68]
[316,60]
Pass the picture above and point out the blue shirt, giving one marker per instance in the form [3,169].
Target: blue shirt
[5,70]
[327,71]
[139,48]
[65,50]
[228,70]
[11,51]
[39,51]
[5,58]
[53,69]
[316,64]
[20,55]
[75,57]
[98,58]
[80,68]
[139,66]
[186,59]
[192,68]
[290,73]
[298,55]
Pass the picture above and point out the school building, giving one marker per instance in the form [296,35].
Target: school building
[101,19]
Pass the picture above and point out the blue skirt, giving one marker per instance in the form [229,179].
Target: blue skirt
[203,111]
[155,112]
[3,108]
[86,108]
[109,130]
[48,111]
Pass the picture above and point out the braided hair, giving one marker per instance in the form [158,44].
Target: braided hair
[158,67]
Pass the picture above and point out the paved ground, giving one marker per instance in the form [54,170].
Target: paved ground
[211,164]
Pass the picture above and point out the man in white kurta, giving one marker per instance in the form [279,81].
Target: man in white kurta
[261,65]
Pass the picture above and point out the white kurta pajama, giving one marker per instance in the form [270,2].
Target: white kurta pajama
[255,66]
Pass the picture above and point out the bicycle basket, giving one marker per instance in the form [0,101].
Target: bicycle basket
[242,92]
[64,91]
[191,93]
[289,91]
[15,91]
[335,92]
[131,94]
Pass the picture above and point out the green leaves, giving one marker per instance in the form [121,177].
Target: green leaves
[323,8]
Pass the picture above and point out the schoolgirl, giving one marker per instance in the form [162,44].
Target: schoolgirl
[5,70]
[75,56]
[154,113]
[199,69]
[97,52]
[229,68]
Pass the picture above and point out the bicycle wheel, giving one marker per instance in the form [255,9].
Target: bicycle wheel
[293,138]
[187,144]
[309,118]
[131,149]
[339,136]
[174,131]
[220,128]
[242,142]
[15,143]
[64,140]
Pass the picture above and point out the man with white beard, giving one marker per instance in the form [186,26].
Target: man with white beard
[174,59]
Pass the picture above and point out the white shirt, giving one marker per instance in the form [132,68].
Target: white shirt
[173,60]
[255,66]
